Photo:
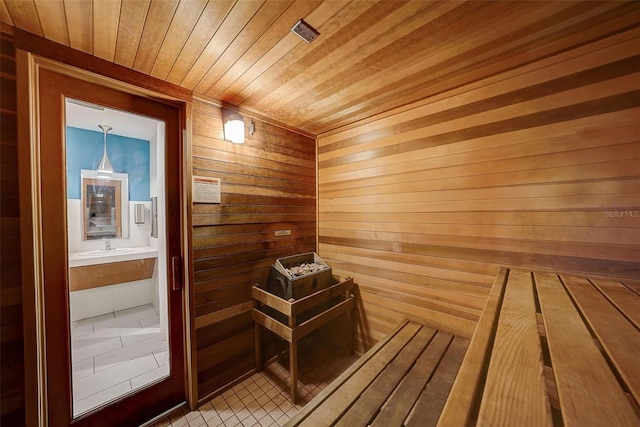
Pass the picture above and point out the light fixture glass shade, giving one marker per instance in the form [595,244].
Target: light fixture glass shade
[233,127]
[105,164]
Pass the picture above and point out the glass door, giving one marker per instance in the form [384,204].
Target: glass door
[117,277]
[110,185]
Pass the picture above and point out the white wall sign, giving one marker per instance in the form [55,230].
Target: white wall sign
[206,189]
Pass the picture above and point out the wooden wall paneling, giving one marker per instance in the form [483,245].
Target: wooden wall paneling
[539,169]
[12,410]
[268,184]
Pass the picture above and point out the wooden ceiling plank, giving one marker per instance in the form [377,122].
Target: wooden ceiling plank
[237,19]
[348,23]
[401,52]
[377,29]
[204,30]
[580,59]
[24,15]
[132,22]
[255,28]
[185,19]
[53,20]
[266,42]
[435,82]
[277,52]
[447,69]
[437,46]
[159,18]
[328,18]
[438,72]
[106,18]
[80,25]
[5,16]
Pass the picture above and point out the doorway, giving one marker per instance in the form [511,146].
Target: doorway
[118,319]
[111,252]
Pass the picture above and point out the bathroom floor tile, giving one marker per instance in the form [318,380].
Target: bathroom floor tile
[116,353]
[150,376]
[98,399]
[105,334]
[101,347]
[109,377]
[126,353]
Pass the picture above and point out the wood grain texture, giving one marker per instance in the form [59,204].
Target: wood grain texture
[97,275]
[622,297]
[581,381]
[12,389]
[515,386]
[463,404]
[268,184]
[618,337]
[403,380]
[404,397]
[370,402]
[371,57]
[516,169]
[429,406]
[336,404]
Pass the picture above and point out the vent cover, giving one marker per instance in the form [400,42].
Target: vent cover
[305,31]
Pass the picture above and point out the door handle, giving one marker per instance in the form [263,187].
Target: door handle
[176,273]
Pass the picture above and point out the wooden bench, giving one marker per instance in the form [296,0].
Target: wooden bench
[548,350]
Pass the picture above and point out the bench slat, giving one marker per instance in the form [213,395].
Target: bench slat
[622,297]
[459,409]
[324,394]
[427,409]
[341,398]
[515,391]
[588,391]
[368,404]
[619,338]
[396,410]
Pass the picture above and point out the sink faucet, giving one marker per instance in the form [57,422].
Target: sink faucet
[107,245]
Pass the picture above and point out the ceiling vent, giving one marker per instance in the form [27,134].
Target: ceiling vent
[305,31]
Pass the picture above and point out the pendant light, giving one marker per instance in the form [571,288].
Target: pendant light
[105,164]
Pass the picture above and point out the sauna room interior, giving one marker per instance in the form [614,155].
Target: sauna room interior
[465,175]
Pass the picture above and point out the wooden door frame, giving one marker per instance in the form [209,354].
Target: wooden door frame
[28,67]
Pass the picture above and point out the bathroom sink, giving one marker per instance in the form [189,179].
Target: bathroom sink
[102,252]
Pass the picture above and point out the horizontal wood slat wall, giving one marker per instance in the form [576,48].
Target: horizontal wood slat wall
[268,184]
[12,412]
[538,167]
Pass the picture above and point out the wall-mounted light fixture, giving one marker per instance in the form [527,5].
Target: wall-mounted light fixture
[233,124]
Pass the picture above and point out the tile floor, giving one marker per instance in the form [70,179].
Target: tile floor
[114,354]
[262,399]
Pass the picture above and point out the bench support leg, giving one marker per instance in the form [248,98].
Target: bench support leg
[293,371]
[258,346]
